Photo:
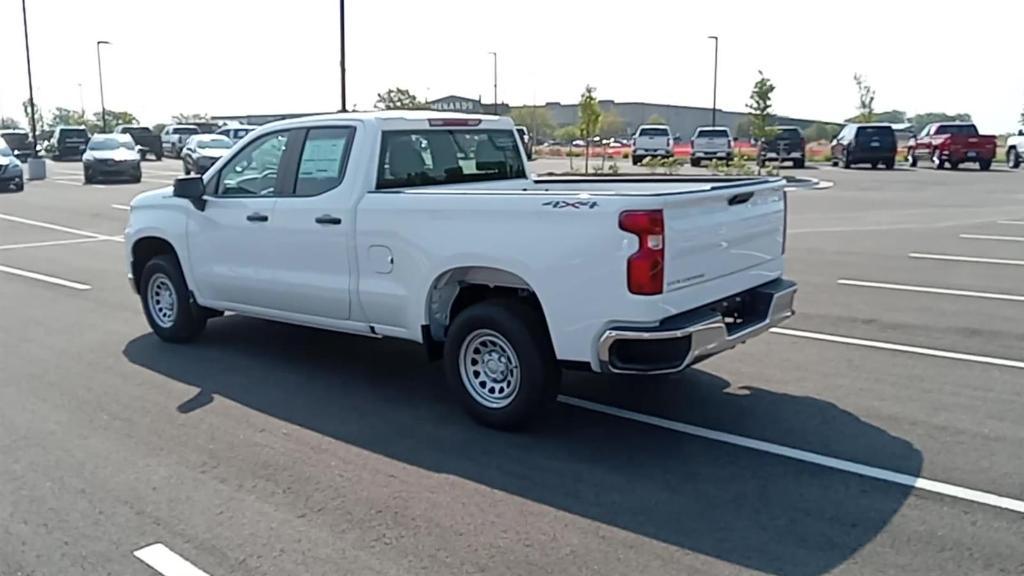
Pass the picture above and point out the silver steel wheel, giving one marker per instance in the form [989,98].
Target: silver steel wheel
[489,368]
[162,300]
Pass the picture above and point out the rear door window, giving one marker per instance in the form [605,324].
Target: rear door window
[712,134]
[654,132]
[323,160]
[410,158]
[962,129]
[883,134]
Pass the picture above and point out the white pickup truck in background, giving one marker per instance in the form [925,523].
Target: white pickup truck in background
[710,143]
[424,226]
[652,140]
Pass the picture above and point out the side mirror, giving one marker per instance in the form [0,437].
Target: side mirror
[191,188]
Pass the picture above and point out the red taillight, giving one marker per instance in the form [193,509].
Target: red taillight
[454,122]
[645,268]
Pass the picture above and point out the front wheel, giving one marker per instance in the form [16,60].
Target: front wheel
[167,301]
[499,361]
[1013,159]
[911,159]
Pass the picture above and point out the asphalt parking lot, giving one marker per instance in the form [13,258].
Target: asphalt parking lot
[879,432]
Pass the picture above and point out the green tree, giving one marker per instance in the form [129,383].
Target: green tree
[921,120]
[818,131]
[536,119]
[866,99]
[66,117]
[762,121]
[114,118]
[590,121]
[611,124]
[888,117]
[187,117]
[7,123]
[567,133]
[743,128]
[655,119]
[397,99]
[26,108]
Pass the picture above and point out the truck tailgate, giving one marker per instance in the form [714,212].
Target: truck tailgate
[710,235]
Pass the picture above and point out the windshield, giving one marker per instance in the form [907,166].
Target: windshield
[427,157]
[73,134]
[185,130]
[16,139]
[961,129]
[878,133]
[104,144]
[138,131]
[215,144]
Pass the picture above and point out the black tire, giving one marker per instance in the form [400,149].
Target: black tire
[184,166]
[188,319]
[87,176]
[159,156]
[890,164]
[696,162]
[1013,159]
[19,187]
[799,163]
[911,159]
[985,165]
[874,165]
[937,162]
[137,178]
[846,159]
[523,330]
[634,160]
[835,163]
[954,165]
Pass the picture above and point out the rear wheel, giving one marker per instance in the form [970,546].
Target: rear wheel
[1013,159]
[937,162]
[798,163]
[985,165]
[890,164]
[846,159]
[499,361]
[874,165]
[695,162]
[167,301]
[911,159]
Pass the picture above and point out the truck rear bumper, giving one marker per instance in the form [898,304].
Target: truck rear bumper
[961,156]
[684,339]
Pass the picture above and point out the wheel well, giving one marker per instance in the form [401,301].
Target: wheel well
[144,250]
[456,290]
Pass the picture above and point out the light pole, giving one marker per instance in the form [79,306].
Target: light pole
[81,101]
[341,23]
[31,93]
[495,55]
[103,104]
[714,93]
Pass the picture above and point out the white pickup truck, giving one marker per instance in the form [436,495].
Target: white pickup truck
[425,226]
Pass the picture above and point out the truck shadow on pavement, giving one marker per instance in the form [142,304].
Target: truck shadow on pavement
[744,507]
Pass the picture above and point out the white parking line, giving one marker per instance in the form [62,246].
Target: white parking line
[943,488]
[988,237]
[165,561]
[51,243]
[120,207]
[930,290]
[901,348]
[1010,222]
[57,227]
[45,278]
[950,258]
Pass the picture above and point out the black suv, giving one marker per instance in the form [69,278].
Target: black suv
[69,142]
[865,144]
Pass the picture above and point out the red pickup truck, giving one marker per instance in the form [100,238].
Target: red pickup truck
[952,144]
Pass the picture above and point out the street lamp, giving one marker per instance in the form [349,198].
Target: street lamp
[495,55]
[341,11]
[103,104]
[31,94]
[714,93]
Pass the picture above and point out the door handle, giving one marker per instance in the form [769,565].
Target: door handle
[741,198]
[328,219]
[257,217]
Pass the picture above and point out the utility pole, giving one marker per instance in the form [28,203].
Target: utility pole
[31,93]
[495,54]
[714,93]
[81,101]
[103,104]
[341,12]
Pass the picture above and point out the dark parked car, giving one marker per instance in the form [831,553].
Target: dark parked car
[147,141]
[786,145]
[202,151]
[11,175]
[872,144]
[19,142]
[111,156]
[69,142]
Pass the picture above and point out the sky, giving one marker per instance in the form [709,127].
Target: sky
[231,57]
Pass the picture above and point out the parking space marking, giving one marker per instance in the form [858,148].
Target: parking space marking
[120,207]
[59,228]
[51,243]
[951,258]
[990,237]
[991,360]
[44,278]
[882,474]
[1010,222]
[931,290]
[166,561]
